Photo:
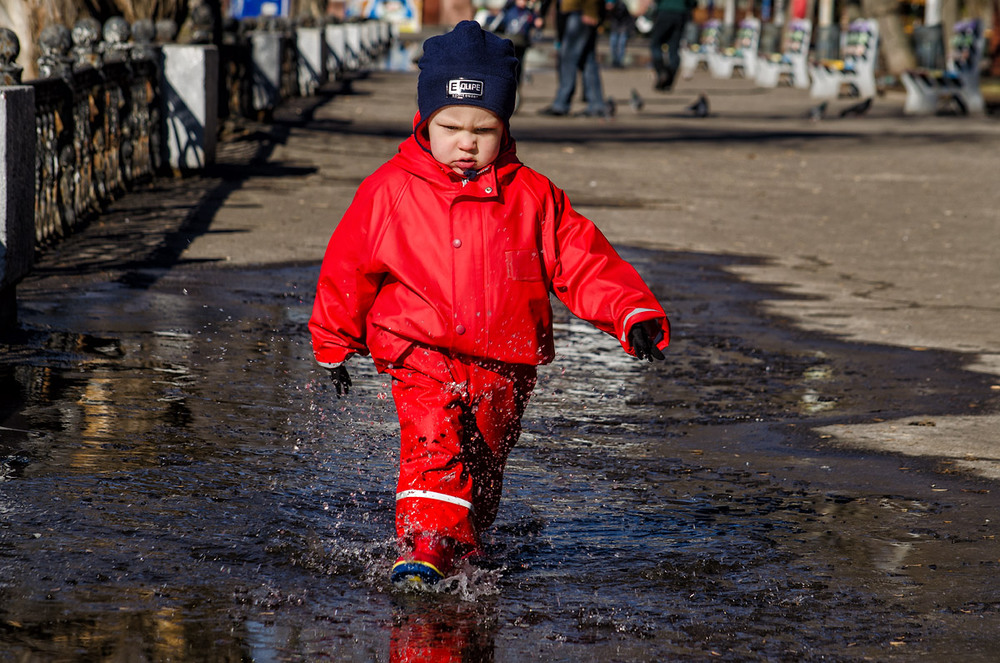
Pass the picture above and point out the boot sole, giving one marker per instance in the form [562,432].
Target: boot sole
[411,571]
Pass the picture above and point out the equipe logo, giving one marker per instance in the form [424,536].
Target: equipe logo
[462,88]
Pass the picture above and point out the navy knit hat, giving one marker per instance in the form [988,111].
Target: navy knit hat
[467,66]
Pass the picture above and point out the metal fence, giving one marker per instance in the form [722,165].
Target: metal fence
[98,132]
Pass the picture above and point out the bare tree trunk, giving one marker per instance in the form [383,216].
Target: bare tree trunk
[994,47]
[314,8]
[14,16]
[133,10]
[894,44]
[28,18]
[453,11]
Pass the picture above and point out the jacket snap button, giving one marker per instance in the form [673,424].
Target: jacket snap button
[489,189]
[456,243]
[460,330]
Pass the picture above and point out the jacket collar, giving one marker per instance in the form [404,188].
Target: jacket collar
[414,156]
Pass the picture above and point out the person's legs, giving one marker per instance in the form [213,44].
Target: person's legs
[499,395]
[617,41]
[434,492]
[678,21]
[658,37]
[593,90]
[519,53]
[668,29]
[458,422]
[572,50]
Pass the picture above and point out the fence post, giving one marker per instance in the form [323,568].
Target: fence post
[266,52]
[312,59]
[17,195]
[17,178]
[335,35]
[191,104]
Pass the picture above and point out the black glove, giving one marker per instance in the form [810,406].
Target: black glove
[643,345]
[341,380]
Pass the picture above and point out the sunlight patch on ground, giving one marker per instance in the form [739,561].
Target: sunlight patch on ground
[968,443]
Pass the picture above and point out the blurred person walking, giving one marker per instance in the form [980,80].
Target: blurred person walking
[620,26]
[577,52]
[668,28]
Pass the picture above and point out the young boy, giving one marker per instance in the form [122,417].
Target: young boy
[441,269]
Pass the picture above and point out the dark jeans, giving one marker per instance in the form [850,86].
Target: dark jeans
[618,41]
[668,28]
[519,52]
[577,52]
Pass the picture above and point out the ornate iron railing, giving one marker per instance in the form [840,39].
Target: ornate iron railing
[99,110]
[97,120]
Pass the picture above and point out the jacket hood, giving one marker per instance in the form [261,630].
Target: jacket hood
[414,156]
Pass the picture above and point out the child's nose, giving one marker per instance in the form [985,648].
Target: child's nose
[468,141]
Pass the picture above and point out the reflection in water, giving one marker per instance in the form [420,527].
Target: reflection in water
[96,406]
[441,631]
[813,401]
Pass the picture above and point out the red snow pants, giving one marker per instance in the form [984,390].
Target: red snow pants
[459,418]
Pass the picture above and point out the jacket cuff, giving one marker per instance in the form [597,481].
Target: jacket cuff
[640,315]
[636,316]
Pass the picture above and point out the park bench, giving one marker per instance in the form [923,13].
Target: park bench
[742,55]
[959,82]
[695,55]
[856,69]
[792,63]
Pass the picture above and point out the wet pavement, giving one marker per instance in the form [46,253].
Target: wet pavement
[179,481]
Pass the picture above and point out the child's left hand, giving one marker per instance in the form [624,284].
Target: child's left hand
[341,380]
[641,337]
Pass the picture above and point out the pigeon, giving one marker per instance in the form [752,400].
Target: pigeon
[816,112]
[859,108]
[700,107]
[635,101]
[612,106]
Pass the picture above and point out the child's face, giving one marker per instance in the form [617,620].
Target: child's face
[465,137]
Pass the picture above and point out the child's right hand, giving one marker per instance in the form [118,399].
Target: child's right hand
[341,380]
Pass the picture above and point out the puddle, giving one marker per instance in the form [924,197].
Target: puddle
[178,478]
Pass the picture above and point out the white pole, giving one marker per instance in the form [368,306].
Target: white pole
[932,12]
[825,13]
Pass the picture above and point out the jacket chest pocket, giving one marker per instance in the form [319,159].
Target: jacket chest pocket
[524,265]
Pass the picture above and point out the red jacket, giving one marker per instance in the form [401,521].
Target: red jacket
[423,256]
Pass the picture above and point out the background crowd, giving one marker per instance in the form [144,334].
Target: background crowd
[577,26]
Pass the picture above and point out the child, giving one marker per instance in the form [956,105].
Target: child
[441,269]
